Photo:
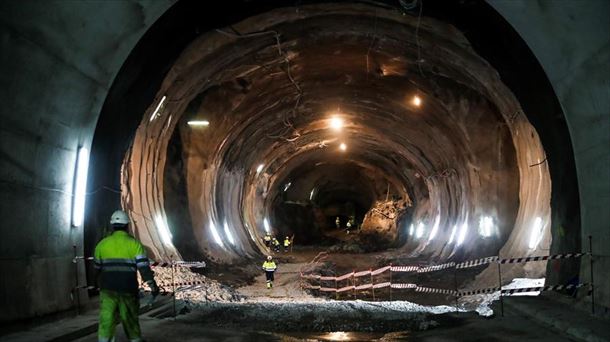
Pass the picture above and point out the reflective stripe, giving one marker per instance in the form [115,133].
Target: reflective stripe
[141,256]
[118,261]
[119,268]
[97,263]
[141,264]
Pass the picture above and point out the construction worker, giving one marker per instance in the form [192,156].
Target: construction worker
[287,243]
[349,225]
[269,267]
[117,258]
[276,245]
[267,239]
[338,222]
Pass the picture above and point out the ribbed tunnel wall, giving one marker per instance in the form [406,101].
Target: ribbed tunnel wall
[269,97]
[60,81]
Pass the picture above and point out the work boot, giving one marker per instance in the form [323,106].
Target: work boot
[269,285]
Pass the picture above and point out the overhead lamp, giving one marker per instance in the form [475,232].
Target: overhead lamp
[411,229]
[343,147]
[336,123]
[287,186]
[154,114]
[486,225]
[259,169]
[198,123]
[312,193]
[416,101]
[80,187]
[420,230]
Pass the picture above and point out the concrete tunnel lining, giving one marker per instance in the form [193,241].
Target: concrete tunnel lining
[61,66]
[221,73]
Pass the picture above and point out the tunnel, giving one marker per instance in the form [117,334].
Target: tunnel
[425,133]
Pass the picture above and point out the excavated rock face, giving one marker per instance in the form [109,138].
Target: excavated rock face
[432,137]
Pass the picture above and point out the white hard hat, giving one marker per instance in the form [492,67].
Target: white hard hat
[269,257]
[119,217]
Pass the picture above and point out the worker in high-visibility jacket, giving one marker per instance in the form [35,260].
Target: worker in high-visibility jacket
[287,243]
[267,239]
[276,245]
[269,267]
[118,257]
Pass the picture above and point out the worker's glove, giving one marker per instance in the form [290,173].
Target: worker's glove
[154,289]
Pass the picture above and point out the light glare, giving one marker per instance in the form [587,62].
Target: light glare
[536,234]
[228,234]
[260,168]
[411,229]
[453,231]
[420,230]
[163,229]
[336,123]
[154,114]
[343,147]
[266,225]
[416,101]
[80,187]
[437,221]
[215,234]
[198,123]
[463,233]
[486,225]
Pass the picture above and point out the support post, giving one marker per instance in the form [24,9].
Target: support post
[372,285]
[354,283]
[76,280]
[455,284]
[173,288]
[500,285]
[390,282]
[591,274]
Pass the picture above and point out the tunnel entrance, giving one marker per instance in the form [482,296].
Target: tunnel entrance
[431,157]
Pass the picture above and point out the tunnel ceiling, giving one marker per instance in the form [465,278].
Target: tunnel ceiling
[429,130]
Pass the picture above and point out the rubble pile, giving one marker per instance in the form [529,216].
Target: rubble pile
[193,287]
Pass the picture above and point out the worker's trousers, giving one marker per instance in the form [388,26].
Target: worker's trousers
[118,307]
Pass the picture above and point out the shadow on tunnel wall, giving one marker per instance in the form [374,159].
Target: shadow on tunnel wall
[490,35]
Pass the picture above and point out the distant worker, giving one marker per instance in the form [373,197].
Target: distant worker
[267,239]
[269,267]
[349,225]
[338,222]
[118,257]
[276,245]
[287,243]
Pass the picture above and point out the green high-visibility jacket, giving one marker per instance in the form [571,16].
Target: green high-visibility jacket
[269,266]
[118,257]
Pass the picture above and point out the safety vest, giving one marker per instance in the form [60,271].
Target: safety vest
[269,266]
[267,238]
[286,242]
[275,242]
[118,257]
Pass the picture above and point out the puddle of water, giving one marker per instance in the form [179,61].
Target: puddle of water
[351,336]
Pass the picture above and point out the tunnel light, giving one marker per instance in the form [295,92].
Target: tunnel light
[437,222]
[536,234]
[416,101]
[453,231]
[486,225]
[198,123]
[215,234]
[343,147]
[228,234]
[313,191]
[154,114]
[336,123]
[338,336]
[266,225]
[420,230]
[463,233]
[411,229]
[259,169]
[163,229]
[80,187]
[287,186]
